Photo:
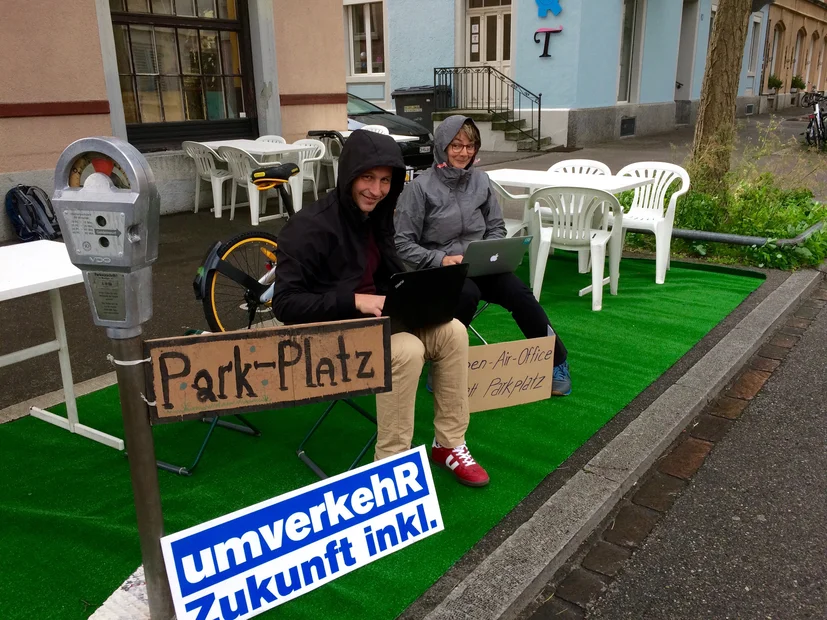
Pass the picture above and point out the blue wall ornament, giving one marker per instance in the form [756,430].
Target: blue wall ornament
[544,6]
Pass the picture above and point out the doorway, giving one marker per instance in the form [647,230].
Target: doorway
[488,41]
[686,50]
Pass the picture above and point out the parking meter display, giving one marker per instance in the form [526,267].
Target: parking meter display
[89,163]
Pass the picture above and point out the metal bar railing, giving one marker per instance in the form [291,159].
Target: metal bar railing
[487,89]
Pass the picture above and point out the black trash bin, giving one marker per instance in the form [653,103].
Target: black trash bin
[417,103]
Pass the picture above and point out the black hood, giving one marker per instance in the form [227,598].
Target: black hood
[364,150]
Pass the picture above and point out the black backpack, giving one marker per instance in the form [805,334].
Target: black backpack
[31,213]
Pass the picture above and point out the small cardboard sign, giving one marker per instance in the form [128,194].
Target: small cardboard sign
[244,563]
[246,370]
[510,373]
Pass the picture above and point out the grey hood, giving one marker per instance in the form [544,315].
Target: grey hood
[447,130]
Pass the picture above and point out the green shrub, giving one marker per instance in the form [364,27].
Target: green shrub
[774,81]
[798,82]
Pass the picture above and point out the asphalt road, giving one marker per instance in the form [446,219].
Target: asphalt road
[747,538]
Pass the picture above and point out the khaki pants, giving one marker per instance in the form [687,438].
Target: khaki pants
[446,347]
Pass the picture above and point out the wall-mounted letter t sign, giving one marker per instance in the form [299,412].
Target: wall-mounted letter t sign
[544,6]
[548,32]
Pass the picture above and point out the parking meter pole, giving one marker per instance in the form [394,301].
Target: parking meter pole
[141,451]
[109,209]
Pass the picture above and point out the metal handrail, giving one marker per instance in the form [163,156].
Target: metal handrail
[486,88]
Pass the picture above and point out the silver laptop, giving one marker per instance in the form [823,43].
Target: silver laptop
[492,256]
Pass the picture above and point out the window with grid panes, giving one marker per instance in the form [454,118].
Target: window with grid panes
[184,69]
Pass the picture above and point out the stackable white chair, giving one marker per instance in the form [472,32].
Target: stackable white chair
[513,227]
[647,211]
[241,165]
[376,129]
[332,150]
[206,170]
[309,159]
[574,218]
[274,139]
[581,166]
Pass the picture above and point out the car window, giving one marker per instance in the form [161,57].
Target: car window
[355,105]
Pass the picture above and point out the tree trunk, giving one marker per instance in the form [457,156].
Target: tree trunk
[715,130]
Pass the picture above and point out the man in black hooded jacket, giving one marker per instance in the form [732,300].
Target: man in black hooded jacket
[335,259]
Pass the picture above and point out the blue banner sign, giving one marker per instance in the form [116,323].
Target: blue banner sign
[244,563]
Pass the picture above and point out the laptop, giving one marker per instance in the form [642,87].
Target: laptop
[492,256]
[425,297]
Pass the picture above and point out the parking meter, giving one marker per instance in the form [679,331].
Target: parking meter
[109,210]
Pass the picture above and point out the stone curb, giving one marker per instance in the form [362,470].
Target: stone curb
[509,578]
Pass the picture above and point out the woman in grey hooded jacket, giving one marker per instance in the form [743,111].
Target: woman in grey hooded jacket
[448,207]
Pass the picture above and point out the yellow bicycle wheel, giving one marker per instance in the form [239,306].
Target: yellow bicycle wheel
[228,304]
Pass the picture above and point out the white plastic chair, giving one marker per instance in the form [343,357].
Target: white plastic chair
[241,165]
[206,170]
[272,138]
[647,210]
[574,218]
[581,166]
[513,226]
[332,151]
[308,159]
[377,129]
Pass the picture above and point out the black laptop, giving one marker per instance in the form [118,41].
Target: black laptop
[425,297]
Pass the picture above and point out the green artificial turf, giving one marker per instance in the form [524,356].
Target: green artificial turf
[68,535]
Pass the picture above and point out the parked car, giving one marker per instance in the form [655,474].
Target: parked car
[417,154]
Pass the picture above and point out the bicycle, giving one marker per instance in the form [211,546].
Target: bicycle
[235,281]
[815,132]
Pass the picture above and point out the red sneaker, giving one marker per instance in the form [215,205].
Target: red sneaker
[460,461]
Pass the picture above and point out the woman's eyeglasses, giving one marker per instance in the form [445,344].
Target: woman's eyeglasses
[457,148]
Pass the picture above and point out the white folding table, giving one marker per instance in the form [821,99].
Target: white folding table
[260,148]
[396,137]
[36,267]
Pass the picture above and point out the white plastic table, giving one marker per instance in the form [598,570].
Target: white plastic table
[536,179]
[36,267]
[259,149]
[397,137]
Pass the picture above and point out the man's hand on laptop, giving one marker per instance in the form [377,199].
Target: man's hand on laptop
[370,304]
[452,260]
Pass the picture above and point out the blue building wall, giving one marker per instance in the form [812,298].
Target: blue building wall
[661,34]
[420,37]
[747,81]
[597,68]
[555,77]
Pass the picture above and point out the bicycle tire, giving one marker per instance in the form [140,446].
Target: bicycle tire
[225,303]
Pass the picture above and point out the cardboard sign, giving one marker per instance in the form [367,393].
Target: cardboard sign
[244,563]
[510,373]
[246,370]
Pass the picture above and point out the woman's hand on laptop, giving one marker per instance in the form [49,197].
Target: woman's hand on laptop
[370,304]
[452,260]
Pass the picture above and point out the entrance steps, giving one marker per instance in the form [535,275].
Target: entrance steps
[502,131]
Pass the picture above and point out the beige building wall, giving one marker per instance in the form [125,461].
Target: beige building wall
[51,58]
[792,17]
[309,51]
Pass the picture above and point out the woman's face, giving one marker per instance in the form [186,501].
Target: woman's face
[460,151]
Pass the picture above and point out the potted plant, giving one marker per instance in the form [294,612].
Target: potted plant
[774,83]
[797,83]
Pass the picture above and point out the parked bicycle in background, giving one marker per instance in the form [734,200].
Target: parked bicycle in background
[814,134]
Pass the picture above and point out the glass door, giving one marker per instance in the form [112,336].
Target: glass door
[488,43]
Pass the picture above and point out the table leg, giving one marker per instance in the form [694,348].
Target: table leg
[70,423]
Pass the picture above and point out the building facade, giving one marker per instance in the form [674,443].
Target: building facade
[605,68]
[796,46]
[158,72]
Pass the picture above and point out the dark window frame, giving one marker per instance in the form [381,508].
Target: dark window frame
[169,135]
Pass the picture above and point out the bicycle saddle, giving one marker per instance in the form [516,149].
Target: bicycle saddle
[270,176]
